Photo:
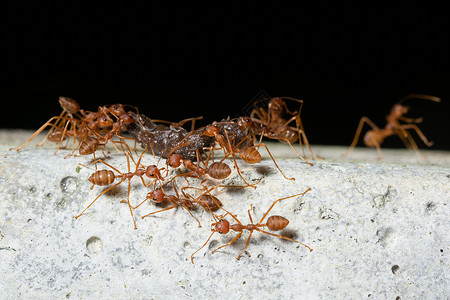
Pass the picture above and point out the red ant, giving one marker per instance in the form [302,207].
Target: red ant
[159,196]
[274,223]
[273,126]
[69,115]
[248,154]
[376,136]
[107,177]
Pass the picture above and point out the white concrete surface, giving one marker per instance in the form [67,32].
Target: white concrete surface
[379,230]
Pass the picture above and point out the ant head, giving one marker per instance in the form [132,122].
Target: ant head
[222,227]
[156,195]
[211,130]
[399,110]
[174,160]
[116,109]
[104,121]
[276,103]
[244,122]
[153,172]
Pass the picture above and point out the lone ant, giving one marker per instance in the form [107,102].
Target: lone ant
[274,223]
[375,136]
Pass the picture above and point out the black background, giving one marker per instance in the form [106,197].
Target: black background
[176,61]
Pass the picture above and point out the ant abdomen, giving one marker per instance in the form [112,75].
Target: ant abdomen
[374,138]
[102,177]
[69,105]
[57,135]
[88,146]
[250,155]
[219,170]
[288,135]
[277,223]
[209,202]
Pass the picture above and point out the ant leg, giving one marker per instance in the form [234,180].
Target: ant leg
[409,142]
[189,211]
[229,243]
[48,123]
[138,204]
[411,120]
[419,133]
[249,214]
[128,202]
[278,200]
[276,165]
[62,137]
[420,96]
[301,133]
[105,191]
[232,153]
[55,125]
[358,132]
[246,245]
[73,127]
[283,237]
[292,99]
[158,211]
[104,162]
[192,255]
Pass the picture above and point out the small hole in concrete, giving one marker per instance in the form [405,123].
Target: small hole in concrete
[395,269]
[213,244]
[94,245]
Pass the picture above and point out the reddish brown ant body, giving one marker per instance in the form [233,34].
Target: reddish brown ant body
[248,154]
[107,177]
[159,196]
[217,170]
[59,124]
[273,126]
[274,223]
[376,136]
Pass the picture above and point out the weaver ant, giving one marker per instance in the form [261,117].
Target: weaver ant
[375,136]
[274,223]
[107,177]
[59,124]
[248,154]
[159,196]
[271,124]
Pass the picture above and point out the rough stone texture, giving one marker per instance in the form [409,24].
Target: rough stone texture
[379,230]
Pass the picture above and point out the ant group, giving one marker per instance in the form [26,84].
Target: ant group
[191,173]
